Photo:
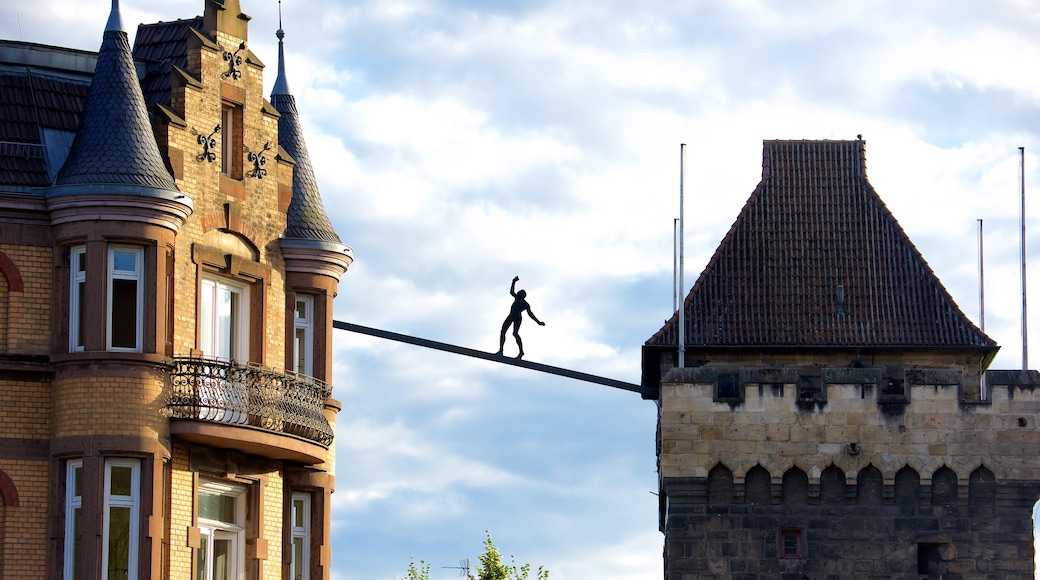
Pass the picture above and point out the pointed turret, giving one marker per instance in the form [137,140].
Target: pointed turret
[114,144]
[306,220]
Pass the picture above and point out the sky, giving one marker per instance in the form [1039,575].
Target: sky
[460,143]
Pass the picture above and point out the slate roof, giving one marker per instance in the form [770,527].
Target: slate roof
[306,218]
[29,102]
[115,143]
[163,45]
[815,259]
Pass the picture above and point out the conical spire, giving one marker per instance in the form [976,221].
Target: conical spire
[306,218]
[114,144]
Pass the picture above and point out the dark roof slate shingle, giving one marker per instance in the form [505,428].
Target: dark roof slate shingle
[306,218]
[163,45]
[29,102]
[114,143]
[815,259]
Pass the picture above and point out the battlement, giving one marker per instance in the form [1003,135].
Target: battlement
[817,417]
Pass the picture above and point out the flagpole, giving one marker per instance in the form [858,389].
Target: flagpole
[682,286]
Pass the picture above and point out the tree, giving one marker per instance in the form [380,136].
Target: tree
[422,572]
[492,568]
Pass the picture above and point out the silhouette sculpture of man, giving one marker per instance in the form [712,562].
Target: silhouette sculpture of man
[515,318]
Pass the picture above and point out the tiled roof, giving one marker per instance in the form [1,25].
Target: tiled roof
[163,45]
[114,143]
[815,259]
[306,218]
[29,102]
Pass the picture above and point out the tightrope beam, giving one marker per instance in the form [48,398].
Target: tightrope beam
[350,327]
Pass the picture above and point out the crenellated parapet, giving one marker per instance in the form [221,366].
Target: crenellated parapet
[813,418]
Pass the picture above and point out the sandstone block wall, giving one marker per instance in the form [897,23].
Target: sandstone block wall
[880,472]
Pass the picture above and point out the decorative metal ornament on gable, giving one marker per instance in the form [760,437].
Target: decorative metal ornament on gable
[234,61]
[259,161]
[209,144]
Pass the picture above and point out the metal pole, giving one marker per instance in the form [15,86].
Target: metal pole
[675,265]
[983,395]
[982,284]
[682,285]
[1022,215]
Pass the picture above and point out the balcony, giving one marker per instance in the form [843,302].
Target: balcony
[249,408]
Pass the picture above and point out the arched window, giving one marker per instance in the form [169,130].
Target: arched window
[720,485]
[944,486]
[908,486]
[869,485]
[795,487]
[832,485]
[758,486]
[982,487]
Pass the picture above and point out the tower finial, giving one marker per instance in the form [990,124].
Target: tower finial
[115,21]
[281,86]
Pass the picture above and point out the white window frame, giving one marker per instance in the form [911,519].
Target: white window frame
[303,350]
[77,292]
[238,325]
[211,530]
[132,502]
[73,502]
[300,570]
[136,275]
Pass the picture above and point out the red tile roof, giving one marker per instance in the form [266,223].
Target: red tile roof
[815,259]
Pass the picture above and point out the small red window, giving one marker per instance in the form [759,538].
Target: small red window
[790,544]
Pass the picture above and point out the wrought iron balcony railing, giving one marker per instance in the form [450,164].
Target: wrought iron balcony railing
[226,392]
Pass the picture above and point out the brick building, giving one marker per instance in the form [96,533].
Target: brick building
[167,273]
[834,416]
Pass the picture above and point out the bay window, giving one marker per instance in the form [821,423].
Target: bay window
[73,517]
[300,534]
[125,298]
[303,336]
[77,296]
[221,509]
[120,528]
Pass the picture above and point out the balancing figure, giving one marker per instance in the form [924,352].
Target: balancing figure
[515,318]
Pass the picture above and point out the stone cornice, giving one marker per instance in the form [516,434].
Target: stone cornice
[160,210]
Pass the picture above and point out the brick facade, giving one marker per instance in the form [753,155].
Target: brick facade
[70,400]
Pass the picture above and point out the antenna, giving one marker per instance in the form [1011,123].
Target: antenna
[463,568]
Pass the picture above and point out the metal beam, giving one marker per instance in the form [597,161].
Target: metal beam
[491,357]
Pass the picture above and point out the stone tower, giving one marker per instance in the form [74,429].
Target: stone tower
[834,416]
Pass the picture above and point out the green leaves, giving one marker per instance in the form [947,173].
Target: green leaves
[491,567]
[418,573]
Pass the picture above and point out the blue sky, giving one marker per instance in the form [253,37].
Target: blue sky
[458,144]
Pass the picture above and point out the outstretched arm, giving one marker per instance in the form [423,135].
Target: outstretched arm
[533,317]
[512,287]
